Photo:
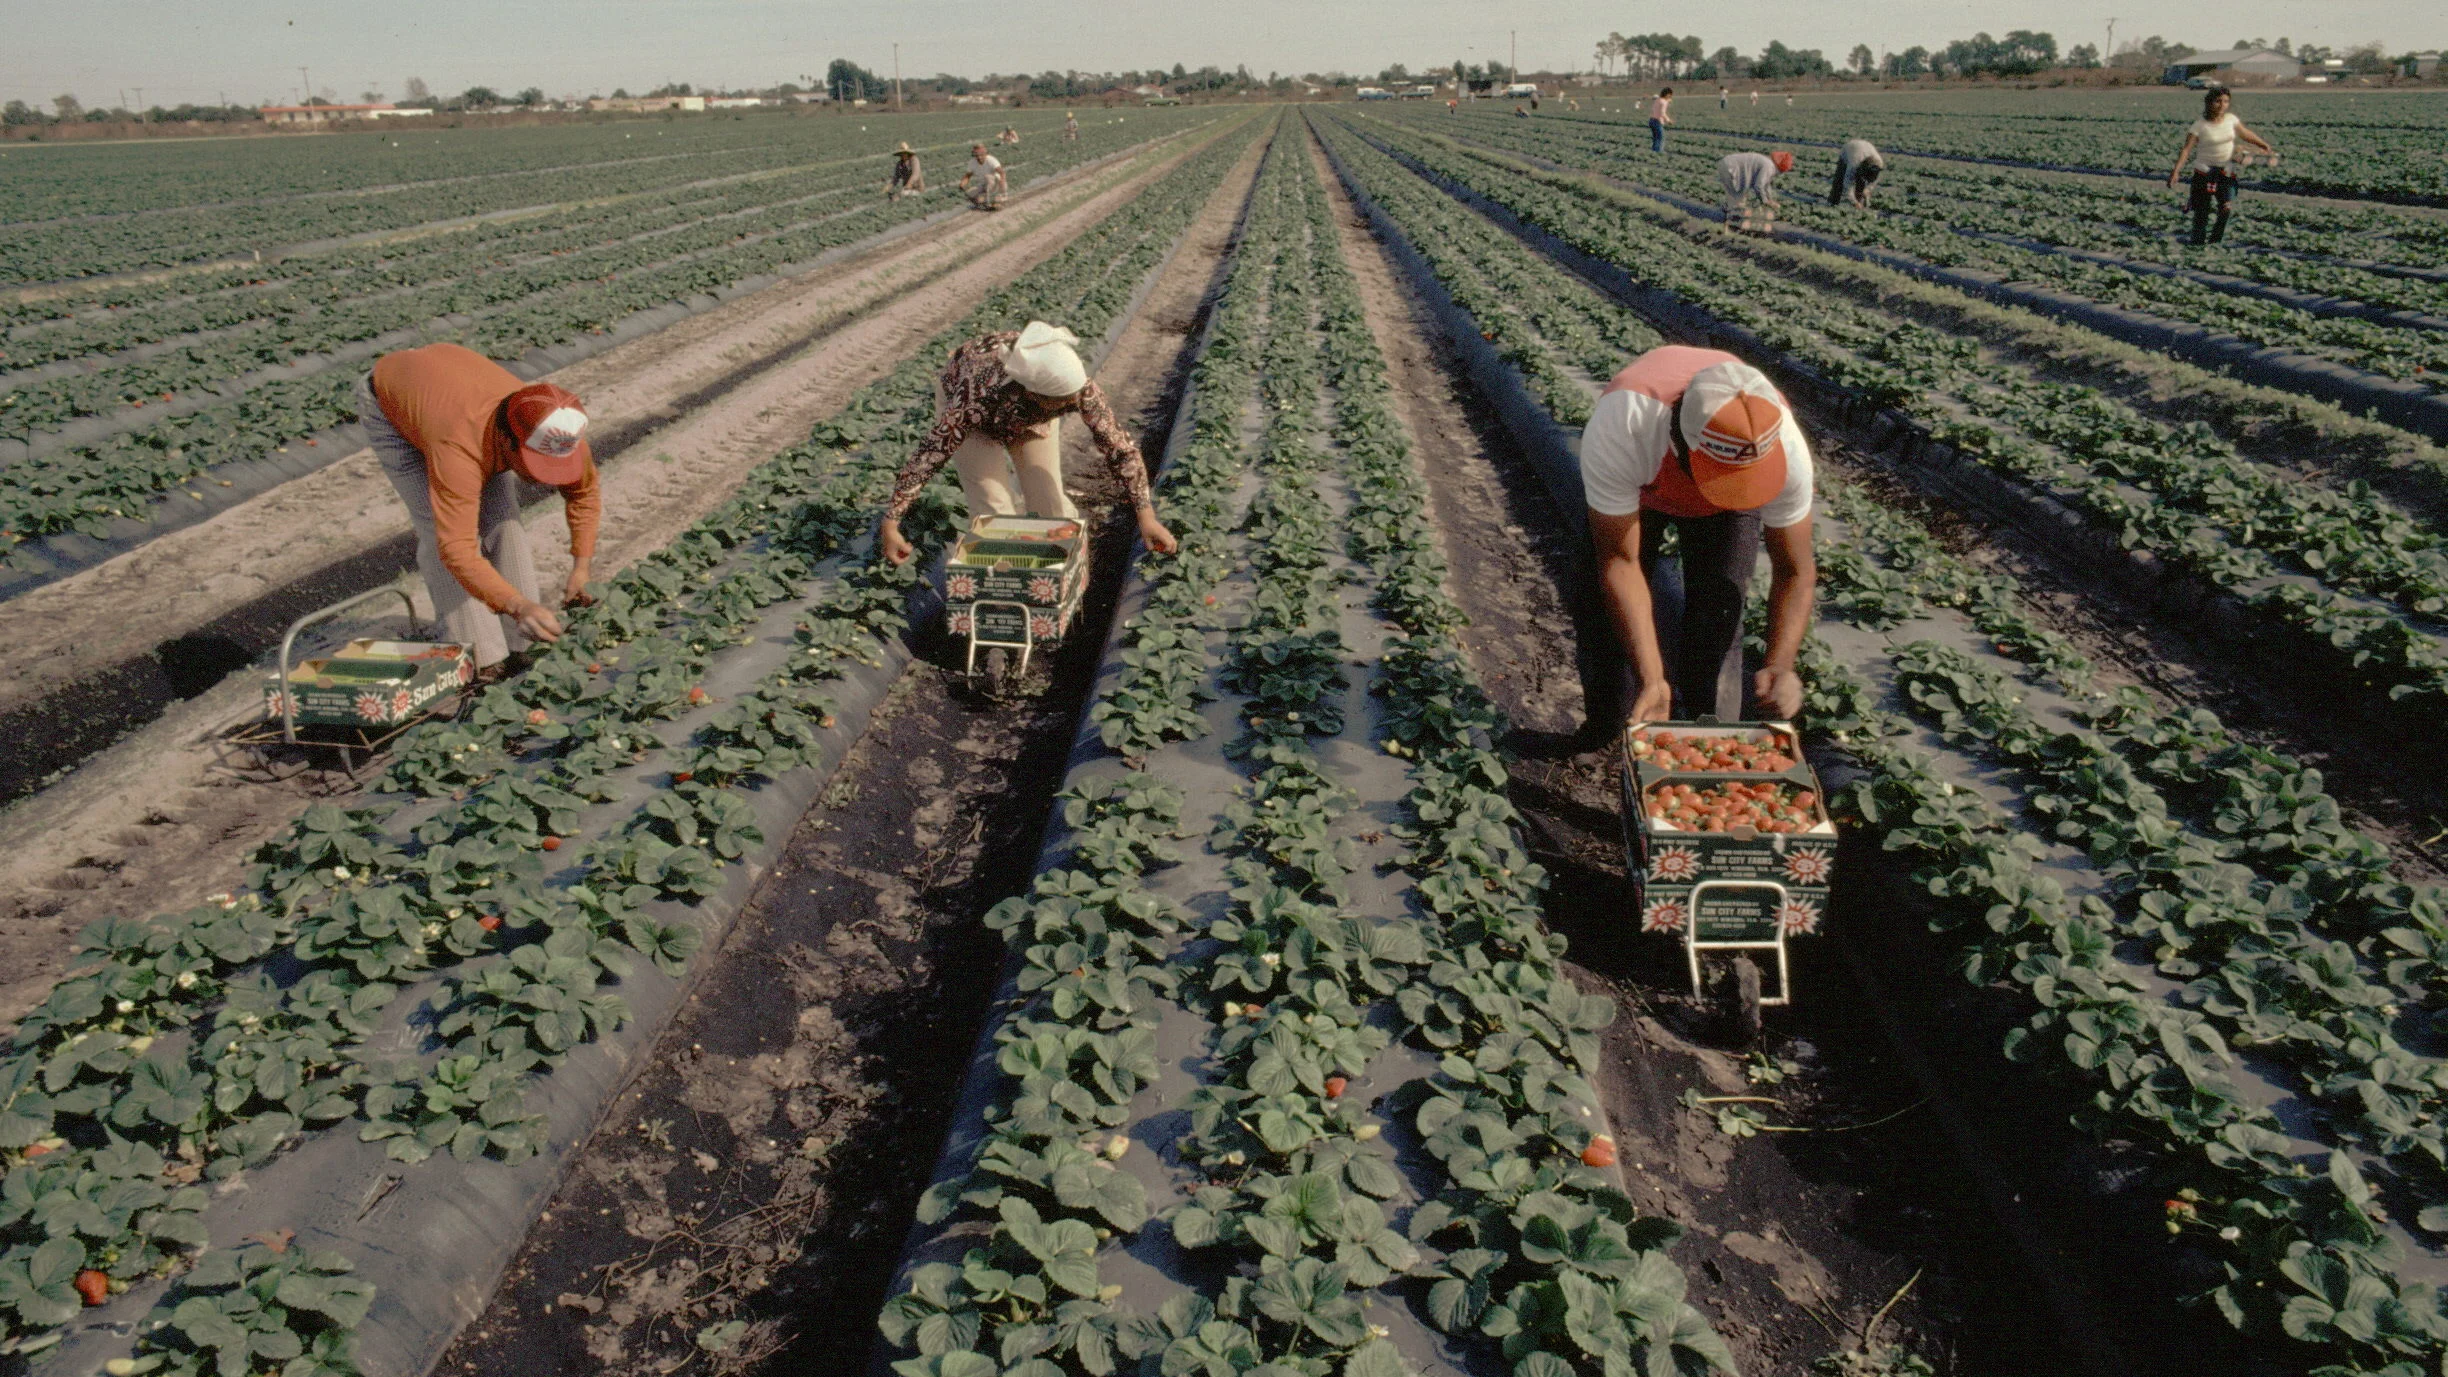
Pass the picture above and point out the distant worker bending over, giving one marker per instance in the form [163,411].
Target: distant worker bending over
[1858,168]
[455,432]
[2211,146]
[1698,441]
[1749,180]
[998,419]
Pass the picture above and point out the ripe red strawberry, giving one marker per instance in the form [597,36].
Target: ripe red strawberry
[1334,1087]
[825,721]
[491,922]
[697,694]
[595,667]
[93,1286]
[1599,1153]
[537,717]
[552,843]
[683,776]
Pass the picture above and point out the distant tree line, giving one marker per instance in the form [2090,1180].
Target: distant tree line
[2022,52]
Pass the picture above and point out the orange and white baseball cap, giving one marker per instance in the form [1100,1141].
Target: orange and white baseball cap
[550,425]
[1733,420]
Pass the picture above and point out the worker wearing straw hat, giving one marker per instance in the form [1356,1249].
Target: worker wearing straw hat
[907,178]
[1698,442]
[998,420]
[455,432]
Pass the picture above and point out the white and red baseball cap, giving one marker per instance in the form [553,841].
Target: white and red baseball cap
[550,425]
[1733,420]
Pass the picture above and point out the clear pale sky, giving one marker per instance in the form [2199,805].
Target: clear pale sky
[250,50]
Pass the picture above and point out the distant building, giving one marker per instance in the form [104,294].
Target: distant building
[2260,64]
[325,114]
[2424,65]
[733,102]
[645,104]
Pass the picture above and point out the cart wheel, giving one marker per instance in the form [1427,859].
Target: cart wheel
[1743,1002]
[994,671]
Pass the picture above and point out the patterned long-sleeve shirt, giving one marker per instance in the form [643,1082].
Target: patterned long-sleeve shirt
[979,398]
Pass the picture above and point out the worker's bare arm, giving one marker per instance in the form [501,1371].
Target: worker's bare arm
[2256,141]
[1625,588]
[1793,581]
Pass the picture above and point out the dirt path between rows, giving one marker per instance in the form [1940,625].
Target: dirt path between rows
[186,578]
[763,1168]
[159,823]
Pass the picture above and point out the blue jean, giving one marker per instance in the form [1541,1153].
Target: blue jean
[1657,136]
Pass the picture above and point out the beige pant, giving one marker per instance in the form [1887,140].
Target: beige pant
[500,535]
[1019,480]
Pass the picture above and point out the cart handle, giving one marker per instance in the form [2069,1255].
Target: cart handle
[288,695]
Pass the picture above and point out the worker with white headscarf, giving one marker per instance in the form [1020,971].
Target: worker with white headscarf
[998,419]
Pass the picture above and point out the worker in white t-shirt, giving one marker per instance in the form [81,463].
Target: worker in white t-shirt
[984,180]
[1697,441]
[2210,146]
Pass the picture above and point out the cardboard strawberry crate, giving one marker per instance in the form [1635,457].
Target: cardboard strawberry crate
[1006,564]
[370,683]
[1762,869]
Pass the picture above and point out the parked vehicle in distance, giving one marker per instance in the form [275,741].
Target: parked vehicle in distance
[1521,90]
[1374,93]
[1420,92]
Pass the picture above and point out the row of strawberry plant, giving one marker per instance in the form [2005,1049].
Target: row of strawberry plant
[559,287]
[1286,1182]
[645,158]
[2237,525]
[2304,1253]
[1949,218]
[2161,1064]
[1092,941]
[2273,805]
[83,489]
[2232,866]
[366,898]
[107,316]
[1291,1190]
[1542,1252]
[2348,149]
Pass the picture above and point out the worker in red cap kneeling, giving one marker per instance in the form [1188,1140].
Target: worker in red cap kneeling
[1698,442]
[455,432]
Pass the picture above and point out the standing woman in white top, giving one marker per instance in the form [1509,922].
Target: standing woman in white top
[1660,115]
[2211,146]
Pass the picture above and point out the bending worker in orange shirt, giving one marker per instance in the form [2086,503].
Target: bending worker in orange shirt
[1699,441]
[455,432]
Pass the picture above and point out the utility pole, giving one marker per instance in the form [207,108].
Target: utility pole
[2109,57]
[305,88]
[1514,66]
[896,76]
[140,105]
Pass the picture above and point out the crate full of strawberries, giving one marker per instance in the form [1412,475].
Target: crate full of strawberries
[1727,817]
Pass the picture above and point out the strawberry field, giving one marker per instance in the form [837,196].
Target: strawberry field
[118,392]
[1257,989]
